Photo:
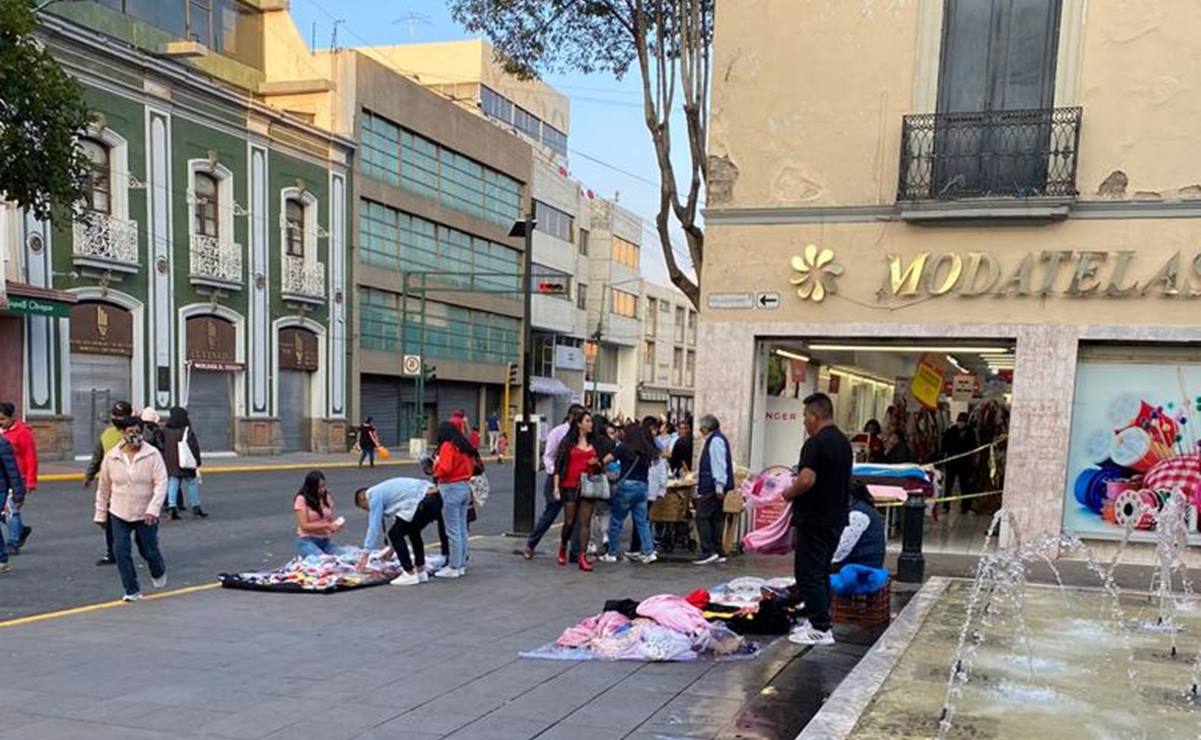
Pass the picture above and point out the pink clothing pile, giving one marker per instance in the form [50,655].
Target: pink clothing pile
[592,628]
[675,613]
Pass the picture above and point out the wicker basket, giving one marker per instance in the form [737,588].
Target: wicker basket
[874,608]
[672,507]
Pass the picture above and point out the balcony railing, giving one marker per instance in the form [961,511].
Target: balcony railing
[215,262]
[994,154]
[302,279]
[101,240]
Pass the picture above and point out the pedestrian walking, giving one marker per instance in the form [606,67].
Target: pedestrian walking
[492,424]
[368,441]
[133,484]
[819,497]
[12,488]
[576,458]
[453,467]
[313,508]
[636,452]
[25,450]
[604,438]
[553,504]
[152,433]
[715,479]
[958,444]
[110,437]
[412,504]
[181,453]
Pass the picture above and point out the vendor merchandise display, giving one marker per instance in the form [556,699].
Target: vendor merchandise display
[322,574]
[771,515]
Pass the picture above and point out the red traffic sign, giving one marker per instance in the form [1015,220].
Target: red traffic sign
[411,365]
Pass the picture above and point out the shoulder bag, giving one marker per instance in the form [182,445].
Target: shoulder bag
[187,461]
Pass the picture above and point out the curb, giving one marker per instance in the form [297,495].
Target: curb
[267,468]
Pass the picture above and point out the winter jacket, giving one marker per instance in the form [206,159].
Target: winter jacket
[20,436]
[109,438]
[10,474]
[130,489]
[171,438]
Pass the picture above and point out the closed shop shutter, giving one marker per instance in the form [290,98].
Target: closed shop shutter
[294,421]
[210,407]
[455,396]
[381,400]
[97,382]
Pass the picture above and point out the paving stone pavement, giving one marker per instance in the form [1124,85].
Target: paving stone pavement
[433,661]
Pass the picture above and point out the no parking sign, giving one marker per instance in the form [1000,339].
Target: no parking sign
[411,365]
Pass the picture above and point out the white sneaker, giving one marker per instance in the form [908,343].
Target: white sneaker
[132,597]
[607,558]
[721,559]
[706,560]
[648,559]
[159,582]
[811,636]
[801,625]
[423,576]
[406,579]
[448,573]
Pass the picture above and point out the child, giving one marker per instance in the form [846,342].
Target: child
[502,445]
[474,439]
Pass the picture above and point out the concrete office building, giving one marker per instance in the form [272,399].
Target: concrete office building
[667,373]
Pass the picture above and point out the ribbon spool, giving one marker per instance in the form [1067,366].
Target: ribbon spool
[1127,505]
[1129,410]
[1133,448]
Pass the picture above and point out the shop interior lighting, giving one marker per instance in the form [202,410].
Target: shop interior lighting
[951,359]
[992,350]
[849,373]
[792,355]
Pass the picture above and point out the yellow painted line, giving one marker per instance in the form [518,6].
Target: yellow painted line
[103,605]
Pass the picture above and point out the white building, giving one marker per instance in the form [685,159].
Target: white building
[667,371]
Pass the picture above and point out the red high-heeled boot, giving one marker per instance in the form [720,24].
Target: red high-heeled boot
[562,555]
[584,564]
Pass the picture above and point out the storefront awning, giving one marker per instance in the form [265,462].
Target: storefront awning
[549,387]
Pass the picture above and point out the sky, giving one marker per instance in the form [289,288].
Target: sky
[610,150]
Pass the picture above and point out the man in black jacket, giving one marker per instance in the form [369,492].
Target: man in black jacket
[10,481]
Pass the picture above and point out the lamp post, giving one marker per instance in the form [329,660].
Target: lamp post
[525,457]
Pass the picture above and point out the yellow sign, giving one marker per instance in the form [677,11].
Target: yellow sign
[816,271]
[926,385]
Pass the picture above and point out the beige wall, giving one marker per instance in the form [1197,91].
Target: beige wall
[808,95]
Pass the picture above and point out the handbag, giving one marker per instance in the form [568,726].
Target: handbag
[480,488]
[594,487]
[187,461]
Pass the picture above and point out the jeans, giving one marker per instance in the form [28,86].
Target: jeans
[429,510]
[709,525]
[456,498]
[368,452]
[146,535]
[549,513]
[14,523]
[3,549]
[190,484]
[815,546]
[630,497]
[108,540]
[310,546]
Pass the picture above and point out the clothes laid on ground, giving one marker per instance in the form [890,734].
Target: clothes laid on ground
[322,574]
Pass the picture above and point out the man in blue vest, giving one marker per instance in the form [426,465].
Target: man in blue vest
[819,497]
[715,480]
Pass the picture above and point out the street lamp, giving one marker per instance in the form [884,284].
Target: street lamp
[525,456]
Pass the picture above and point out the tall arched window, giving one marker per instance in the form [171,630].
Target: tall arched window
[294,227]
[98,189]
[205,189]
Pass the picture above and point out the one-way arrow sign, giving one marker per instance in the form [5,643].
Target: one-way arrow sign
[767,300]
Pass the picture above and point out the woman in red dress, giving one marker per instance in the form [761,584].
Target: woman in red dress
[577,458]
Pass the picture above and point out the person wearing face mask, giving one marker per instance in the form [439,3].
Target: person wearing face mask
[133,486]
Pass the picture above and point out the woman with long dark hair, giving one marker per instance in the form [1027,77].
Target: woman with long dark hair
[577,458]
[181,473]
[454,466]
[637,451]
[313,507]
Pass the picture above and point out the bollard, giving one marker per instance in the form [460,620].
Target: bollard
[911,565]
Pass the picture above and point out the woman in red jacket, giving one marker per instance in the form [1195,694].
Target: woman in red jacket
[576,458]
[453,467]
[25,450]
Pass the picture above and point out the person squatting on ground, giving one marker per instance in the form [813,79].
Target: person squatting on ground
[412,503]
[182,473]
[313,507]
[637,452]
[26,452]
[129,497]
[12,487]
[453,468]
[576,458]
[553,504]
[819,513]
[715,478]
[109,438]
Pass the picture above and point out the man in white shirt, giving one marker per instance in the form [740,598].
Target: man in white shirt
[553,505]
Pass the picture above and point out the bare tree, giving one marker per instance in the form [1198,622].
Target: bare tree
[669,40]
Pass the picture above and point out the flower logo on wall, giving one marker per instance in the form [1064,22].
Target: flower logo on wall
[816,270]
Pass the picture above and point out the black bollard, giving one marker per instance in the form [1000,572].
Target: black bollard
[911,565]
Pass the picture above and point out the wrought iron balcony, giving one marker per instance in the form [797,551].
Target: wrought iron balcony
[216,263]
[103,241]
[994,154]
[302,280]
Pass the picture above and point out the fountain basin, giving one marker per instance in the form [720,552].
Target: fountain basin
[1082,677]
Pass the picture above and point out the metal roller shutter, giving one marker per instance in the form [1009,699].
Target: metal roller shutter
[210,408]
[294,421]
[455,396]
[97,382]
[380,399]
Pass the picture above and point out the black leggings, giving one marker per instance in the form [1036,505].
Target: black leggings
[429,510]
